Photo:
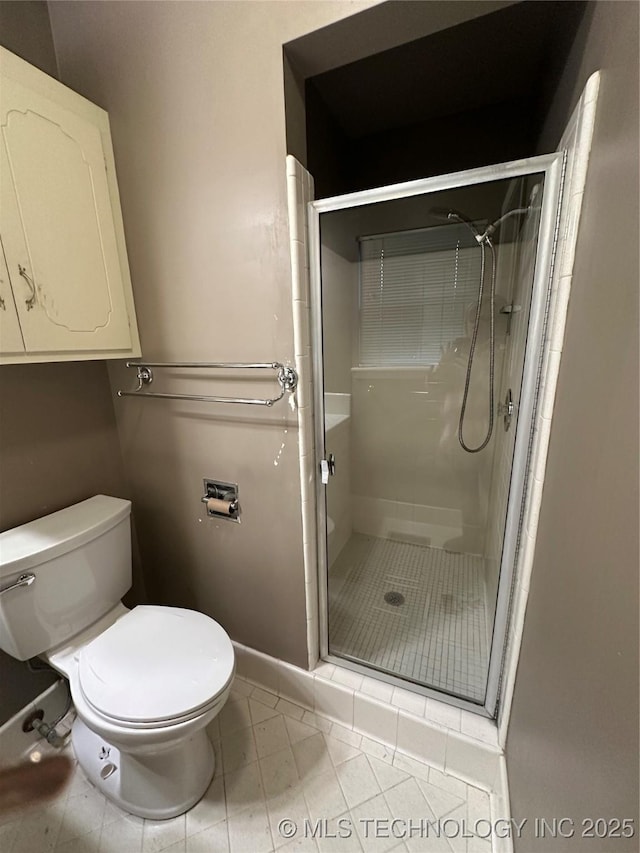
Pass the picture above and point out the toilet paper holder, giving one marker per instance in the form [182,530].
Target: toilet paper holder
[221,500]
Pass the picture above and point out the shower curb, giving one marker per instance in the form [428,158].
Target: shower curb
[478,762]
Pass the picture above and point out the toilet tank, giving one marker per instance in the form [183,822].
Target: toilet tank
[81,559]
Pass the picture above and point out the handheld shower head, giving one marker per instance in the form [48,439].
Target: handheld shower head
[448,214]
[442,213]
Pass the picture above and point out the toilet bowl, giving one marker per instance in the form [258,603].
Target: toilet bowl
[145,682]
[142,708]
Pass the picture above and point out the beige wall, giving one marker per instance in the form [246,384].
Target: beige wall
[25,30]
[572,748]
[58,436]
[58,446]
[196,102]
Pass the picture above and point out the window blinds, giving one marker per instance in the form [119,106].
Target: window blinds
[415,288]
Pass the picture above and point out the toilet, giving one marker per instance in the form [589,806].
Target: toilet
[145,682]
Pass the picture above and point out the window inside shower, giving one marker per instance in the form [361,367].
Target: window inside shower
[414,522]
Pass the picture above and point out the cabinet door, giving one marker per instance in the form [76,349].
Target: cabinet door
[57,224]
[10,335]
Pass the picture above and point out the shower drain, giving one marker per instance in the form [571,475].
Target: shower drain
[394,598]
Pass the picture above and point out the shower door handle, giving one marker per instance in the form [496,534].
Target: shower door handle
[327,468]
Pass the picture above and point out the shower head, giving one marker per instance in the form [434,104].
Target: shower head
[441,212]
[449,214]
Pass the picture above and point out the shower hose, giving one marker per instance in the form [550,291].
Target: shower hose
[484,240]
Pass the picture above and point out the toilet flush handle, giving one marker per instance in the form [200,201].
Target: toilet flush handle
[23,580]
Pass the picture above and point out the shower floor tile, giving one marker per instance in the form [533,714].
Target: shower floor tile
[437,636]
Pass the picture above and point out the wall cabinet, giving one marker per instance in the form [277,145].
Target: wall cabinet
[65,288]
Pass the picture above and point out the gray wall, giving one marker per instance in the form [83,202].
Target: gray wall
[572,749]
[195,94]
[58,437]
[25,30]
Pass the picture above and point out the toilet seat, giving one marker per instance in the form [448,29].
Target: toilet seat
[156,666]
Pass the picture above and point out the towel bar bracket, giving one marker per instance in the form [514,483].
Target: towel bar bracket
[145,376]
[288,378]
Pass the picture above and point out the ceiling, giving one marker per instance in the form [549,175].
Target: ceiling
[503,56]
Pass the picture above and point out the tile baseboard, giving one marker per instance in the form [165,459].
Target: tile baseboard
[470,752]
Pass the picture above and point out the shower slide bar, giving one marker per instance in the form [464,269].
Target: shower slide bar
[286,376]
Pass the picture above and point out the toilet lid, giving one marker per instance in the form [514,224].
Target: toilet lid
[155,664]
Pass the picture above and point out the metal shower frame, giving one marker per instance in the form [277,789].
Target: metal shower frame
[552,167]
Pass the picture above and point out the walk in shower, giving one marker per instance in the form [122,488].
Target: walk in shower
[429,301]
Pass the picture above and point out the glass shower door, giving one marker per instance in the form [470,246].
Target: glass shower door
[429,298]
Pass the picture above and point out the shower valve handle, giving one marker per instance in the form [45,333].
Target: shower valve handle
[507,409]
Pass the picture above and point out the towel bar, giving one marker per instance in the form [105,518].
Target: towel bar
[286,376]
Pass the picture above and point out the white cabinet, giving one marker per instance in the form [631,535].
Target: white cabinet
[66,292]
[10,334]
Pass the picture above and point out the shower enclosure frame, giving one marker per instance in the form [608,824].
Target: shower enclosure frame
[552,167]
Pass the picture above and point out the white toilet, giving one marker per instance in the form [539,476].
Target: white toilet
[145,682]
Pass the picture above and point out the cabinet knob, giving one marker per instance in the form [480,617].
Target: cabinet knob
[31,301]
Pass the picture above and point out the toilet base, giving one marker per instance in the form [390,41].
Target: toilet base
[157,785]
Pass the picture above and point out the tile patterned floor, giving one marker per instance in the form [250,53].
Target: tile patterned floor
[275,761]
[438,637]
